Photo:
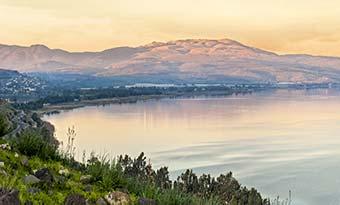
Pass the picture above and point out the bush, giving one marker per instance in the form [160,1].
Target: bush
[31,143]
[105,172]
[4,125]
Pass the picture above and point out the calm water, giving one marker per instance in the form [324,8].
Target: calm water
[275,141]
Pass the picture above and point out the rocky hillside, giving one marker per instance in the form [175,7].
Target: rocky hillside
[185,60]
[34,170]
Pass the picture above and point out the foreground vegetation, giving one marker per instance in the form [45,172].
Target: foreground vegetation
[37,171]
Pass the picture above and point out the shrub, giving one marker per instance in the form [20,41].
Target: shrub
[105,172]
[31,143]
[174,197]
[4,124]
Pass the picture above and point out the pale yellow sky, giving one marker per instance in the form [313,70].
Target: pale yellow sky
[284,26]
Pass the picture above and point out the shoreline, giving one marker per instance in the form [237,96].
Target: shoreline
[50,109]
[56,108]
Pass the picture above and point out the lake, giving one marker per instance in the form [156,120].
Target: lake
[275,141]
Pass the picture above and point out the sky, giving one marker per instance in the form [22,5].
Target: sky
[282,26]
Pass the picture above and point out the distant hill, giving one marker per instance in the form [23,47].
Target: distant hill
[183,60]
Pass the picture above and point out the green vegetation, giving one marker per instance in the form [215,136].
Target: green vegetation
[63,96]
[32,143]
[4,124]
[43,174]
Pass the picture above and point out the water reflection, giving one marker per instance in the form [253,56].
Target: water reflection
[275,140]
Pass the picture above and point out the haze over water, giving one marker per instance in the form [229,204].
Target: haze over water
[275,141]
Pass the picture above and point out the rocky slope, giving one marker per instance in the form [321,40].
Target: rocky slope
[195,60]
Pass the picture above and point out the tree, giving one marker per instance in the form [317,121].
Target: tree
[206,185]
[162,178]
[188,182]
[226,186]
[138,167]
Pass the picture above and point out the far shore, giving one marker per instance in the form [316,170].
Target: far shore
[56,108]
[97,102]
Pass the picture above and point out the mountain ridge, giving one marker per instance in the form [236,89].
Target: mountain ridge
[202,59]
[160,42]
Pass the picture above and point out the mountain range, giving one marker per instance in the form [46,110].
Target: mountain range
[203,60]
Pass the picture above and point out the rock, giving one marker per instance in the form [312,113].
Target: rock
[118,198]
[24,161]
[2,164]
[31,179]
[86,179]
[75,199]
[9,197]
[101,201]
[44,175]
[64,172]
[146,201]
[5,146]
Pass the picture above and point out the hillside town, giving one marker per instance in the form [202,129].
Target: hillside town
[15,86]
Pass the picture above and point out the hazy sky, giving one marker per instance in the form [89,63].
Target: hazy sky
[284,26]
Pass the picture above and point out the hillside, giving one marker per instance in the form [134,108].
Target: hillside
[18,86]
[183,60]
[34,171]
